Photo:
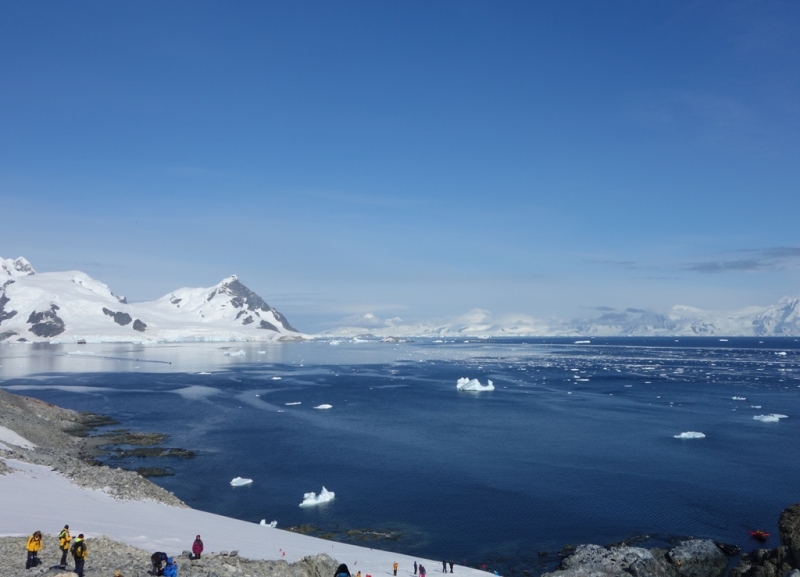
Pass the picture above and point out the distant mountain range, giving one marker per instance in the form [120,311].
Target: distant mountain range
[70,307]
[781,319]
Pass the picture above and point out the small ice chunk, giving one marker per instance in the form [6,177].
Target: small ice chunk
[755,406]
[292,404]
[265,524]
[582,342]
[239,481]
[311,499]
[738,398]
[334,343]
[690,435]
[239,353]
[465,384]
[773,418]
[324,406]
[204,373]
[276,378]
[781,353]
[262,352]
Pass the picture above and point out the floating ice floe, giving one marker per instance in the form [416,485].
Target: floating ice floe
[781,353]
[755,406]
[324,406]
[262,352]
[738,398]
[582,342]
[204,373]
[465,384]
[690,435]
[265,524]
[239,353]
[276,378]
[292,404]
[311,499]
[335,343]
[239,481]
[770,418]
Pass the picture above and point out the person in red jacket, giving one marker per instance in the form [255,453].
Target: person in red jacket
[197,547]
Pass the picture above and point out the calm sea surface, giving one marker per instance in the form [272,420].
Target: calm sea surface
[576,444]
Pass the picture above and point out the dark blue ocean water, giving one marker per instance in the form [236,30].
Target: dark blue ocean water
[575,445]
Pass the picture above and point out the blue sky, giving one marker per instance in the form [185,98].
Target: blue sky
[411,159]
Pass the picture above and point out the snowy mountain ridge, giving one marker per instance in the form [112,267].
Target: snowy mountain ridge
[69,307]
[781,319]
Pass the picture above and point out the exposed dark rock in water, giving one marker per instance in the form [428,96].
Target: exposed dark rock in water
[154,472]
[128,437]
[84,423]
[139,326]
[46,323]
[146,452]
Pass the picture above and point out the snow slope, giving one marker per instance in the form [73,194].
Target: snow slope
[66,307]
[31,494]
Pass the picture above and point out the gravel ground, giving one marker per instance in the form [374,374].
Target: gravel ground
[106,556]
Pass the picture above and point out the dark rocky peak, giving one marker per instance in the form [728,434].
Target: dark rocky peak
[242,297]
[17,267]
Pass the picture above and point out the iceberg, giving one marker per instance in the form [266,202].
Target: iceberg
[239,353]
[325,406]
[265,524]
[465,384]
[239,481]
[770,418]
[311,499]
[690,435]
[738,398]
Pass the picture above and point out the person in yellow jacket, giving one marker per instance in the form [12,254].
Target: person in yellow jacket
[64,540]
[79,554]
[33,547]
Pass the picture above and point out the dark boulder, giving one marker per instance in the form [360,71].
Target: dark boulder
[139,326]
[789,531]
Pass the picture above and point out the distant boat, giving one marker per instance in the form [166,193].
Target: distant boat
[759,535]
[81,342]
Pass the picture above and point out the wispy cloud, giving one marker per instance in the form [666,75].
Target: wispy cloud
[756,260]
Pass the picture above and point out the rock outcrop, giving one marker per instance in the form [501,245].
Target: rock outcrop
[107,556]
[691,558]
[780,562]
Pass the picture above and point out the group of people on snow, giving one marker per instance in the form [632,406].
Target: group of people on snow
[77,548]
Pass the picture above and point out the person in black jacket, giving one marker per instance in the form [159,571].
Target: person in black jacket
[342,571]
[158,558]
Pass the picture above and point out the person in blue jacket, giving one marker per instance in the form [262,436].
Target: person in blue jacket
[171,568]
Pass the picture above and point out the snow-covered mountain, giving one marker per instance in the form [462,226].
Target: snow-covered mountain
[781,319]
[64,307]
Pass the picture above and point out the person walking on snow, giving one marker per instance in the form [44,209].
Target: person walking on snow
[415,567]
[444,566]
[451,566]
[394,567]
[33,546]
[64,540]
[197,548]
[79,554]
